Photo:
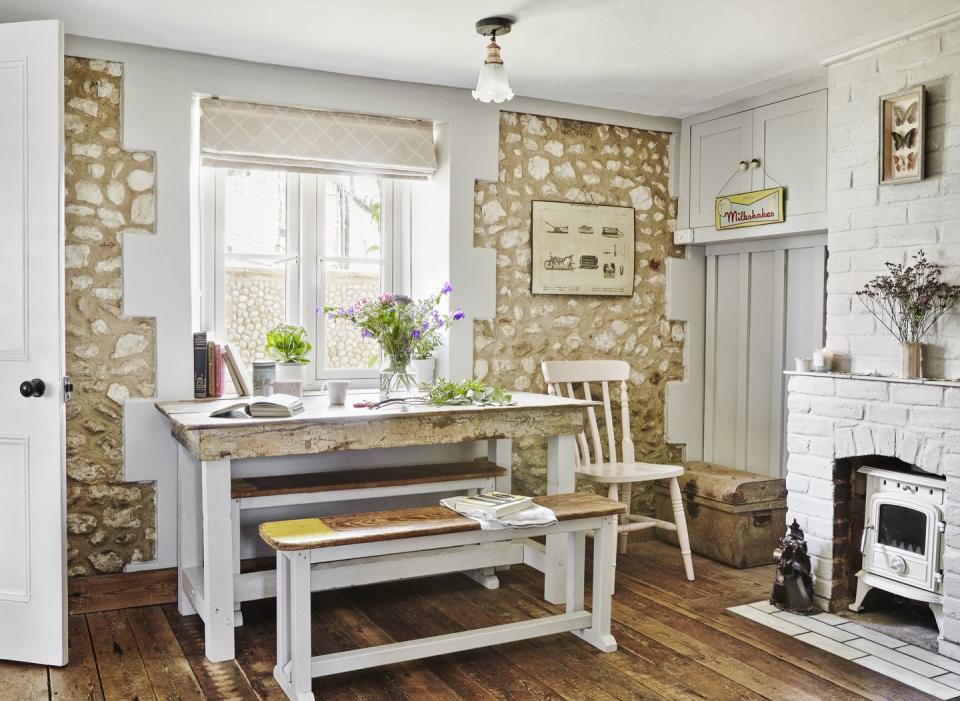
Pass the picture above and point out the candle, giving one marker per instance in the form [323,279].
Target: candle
[827,359]
[818,361]
[803,364]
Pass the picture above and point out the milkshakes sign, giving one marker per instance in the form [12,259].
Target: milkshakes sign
[749,209]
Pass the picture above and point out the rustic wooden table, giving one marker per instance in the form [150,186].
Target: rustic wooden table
[208,445]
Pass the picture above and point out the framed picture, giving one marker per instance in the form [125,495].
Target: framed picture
[901,136]
[582,249]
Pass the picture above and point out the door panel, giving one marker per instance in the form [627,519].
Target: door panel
[716,148]
[764,306]
[790,139]
[32,470]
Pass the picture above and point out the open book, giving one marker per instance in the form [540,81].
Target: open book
[496,504]
[273,407]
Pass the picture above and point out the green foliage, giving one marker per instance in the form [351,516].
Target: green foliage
[288,344]
[471,391]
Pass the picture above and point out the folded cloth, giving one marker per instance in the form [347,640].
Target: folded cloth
[534,515]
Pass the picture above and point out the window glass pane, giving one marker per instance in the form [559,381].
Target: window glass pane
[255,302]
[255,209]
[344,348]
[352,217]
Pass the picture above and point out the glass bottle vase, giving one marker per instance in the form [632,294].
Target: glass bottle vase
[396,379]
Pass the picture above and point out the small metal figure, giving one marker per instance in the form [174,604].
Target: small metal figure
[793,586]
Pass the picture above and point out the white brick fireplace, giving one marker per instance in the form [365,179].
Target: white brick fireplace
[837,423]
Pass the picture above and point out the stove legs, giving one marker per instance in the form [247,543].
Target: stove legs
[862,590]
[938,614]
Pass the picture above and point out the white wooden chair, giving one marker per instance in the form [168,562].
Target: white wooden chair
[562,376]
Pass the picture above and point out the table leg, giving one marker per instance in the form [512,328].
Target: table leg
[189,547]
[500,452]
[217,560]
[561,479]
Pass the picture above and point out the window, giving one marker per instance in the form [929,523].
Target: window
[279,245]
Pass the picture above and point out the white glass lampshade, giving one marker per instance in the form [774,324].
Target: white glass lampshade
[492,85]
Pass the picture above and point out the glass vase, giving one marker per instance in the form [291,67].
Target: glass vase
[396,379]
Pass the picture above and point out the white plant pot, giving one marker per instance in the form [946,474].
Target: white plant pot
[288,372]
[424,369]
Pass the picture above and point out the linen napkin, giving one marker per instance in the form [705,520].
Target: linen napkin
[534,515]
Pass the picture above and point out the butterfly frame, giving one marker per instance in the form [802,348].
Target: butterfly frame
[902,135]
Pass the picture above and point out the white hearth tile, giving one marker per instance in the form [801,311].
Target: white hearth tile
[901,674]
[831,646]
[897,658]
[871,634]
[931,657]
[764,606]
[829,618]
[810,623]
[767,620]
[951,680]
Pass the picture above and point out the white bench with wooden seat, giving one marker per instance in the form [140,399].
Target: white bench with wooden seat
[407,541]
[618,474]
[349,485]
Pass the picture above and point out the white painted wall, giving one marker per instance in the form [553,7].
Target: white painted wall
[159,88]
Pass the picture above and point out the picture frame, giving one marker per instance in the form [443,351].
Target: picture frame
[582,249]
[902,136]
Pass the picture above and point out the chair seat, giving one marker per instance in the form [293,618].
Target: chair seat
[620,472]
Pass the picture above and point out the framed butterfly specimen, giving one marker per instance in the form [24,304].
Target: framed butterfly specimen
[902,136]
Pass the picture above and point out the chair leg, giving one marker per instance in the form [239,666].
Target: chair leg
[625,496]
[613,493]
[680,519]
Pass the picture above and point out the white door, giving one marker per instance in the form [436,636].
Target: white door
[790,139]
[32,471]
[716,149]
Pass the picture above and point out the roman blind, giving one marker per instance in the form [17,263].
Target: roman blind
[246,134]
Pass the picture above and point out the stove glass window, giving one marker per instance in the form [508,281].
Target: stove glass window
[903,528]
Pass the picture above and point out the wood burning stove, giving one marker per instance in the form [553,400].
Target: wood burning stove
[902,541]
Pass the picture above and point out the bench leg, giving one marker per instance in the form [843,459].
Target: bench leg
[235,521]
[294,664]
[604,554]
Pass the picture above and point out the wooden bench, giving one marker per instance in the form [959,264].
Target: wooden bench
[349,485]
[405,540]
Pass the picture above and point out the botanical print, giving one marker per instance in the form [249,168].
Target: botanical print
[901,136]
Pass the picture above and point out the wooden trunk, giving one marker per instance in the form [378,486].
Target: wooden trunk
[733,517]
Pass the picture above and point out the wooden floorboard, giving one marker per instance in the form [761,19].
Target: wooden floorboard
[676,640]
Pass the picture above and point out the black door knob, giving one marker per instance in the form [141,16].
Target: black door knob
[32,388]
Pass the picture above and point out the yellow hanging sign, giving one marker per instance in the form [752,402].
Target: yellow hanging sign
[749,209]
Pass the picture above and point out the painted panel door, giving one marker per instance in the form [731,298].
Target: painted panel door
[790,139]
[716,149]
[32,470]
[764,307]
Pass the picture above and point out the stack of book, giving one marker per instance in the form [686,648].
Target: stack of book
[209,361]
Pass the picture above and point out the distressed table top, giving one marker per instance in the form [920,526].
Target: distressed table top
[322,428]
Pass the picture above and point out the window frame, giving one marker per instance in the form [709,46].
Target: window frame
[304,259]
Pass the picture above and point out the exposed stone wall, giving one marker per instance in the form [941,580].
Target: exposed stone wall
[870,225]
[110,357]
[542,158]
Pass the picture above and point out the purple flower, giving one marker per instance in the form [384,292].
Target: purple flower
[446,289]
[415,335]
[366,334]
[386,297]
[458,314]
[425,325]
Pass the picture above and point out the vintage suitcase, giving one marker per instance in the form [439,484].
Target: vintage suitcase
[734,517]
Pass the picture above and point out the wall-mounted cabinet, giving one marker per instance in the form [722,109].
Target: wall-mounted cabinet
[781,143]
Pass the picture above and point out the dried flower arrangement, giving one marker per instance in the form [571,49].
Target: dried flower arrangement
[910,299]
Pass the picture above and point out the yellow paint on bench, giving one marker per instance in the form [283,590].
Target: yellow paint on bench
[295,531]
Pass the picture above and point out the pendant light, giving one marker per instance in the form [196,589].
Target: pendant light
[492,85]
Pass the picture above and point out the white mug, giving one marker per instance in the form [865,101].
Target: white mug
[337,392]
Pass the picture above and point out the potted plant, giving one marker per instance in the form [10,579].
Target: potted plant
[908,301]
[404,330]
[287,344]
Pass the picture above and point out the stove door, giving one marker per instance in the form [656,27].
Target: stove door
[902,540]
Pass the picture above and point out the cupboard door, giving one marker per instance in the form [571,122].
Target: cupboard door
[790,139]
[716,149]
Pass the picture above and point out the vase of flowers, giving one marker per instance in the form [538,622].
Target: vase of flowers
[288,346]
[403,328]
[908,301]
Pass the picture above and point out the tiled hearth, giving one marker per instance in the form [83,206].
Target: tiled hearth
[838,423]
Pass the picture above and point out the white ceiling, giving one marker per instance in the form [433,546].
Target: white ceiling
[661,58]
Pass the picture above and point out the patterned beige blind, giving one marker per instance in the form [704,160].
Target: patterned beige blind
[245,134]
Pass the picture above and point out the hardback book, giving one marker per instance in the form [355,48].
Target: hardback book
[200,365]
[276,406]
[218,370]
[211,369]
[494,503]
[238,373]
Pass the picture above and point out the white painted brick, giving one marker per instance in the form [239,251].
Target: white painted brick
[950,465]
[885,440]
[928,395]
[809,425]
[911,235]
[908,192]
[844,444]
[938,417]
[820,527]
[877,217]
[838,304]
[852,71]
[813,507]
[951,397]
[797,483]
[929,460]
[811,465]
[798,403]
[880,84]
[837,408]
[935,68]
[933,210]
[823,447]
[818,386]
[862,389]
[863,438]
[853,199]
[886,413]
[908,446]
[844,240]
[912,52]
[821,489]
[798,445]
